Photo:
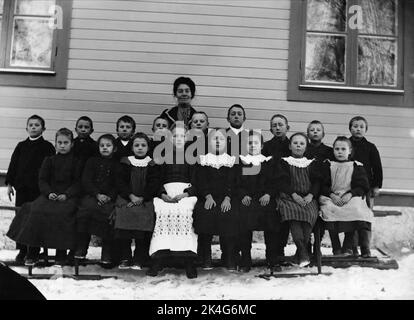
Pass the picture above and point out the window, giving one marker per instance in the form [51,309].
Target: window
[34,42]
[354,51]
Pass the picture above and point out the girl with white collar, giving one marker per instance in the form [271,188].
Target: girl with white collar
[215,212]
[299,182]
[257,195]
[138,183]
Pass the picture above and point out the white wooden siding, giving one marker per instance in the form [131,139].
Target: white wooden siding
[125,55]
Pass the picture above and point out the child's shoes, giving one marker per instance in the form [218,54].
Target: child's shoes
[125,264]
[365,252]
[20,258]
[30,262]
[191,271]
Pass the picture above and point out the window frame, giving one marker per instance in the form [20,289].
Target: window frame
[54,77]
[298,90]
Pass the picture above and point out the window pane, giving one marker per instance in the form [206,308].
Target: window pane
[325,58]
[326,15]
[31,43]
[33,7]
[379,17]
[377,62]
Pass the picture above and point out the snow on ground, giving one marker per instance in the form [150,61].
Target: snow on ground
[352,283]
[393,233]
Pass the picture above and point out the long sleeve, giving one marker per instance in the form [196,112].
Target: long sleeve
[283,177]
[326,183]
[203,184]
[359,182]
[192,190]
[12,170]
[75,188]
[269,179]
[242,182]
[316,177]
[153,181]
[45,177]
[87,177]
[377,174]
[122,178]
[112,192]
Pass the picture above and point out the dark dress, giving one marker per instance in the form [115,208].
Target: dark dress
[277,148]
[47,223]
[84,149]
[219,181]
[140,178]
[301,178]
[255,216]
[367,153]
[173,115]
[320,153]
[25,163]
[121,150]
[99,177]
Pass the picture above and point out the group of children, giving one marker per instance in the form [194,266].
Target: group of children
[120,190]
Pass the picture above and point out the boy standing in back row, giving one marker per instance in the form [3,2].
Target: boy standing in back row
[22,174]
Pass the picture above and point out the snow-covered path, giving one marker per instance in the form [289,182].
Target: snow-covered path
[352,283]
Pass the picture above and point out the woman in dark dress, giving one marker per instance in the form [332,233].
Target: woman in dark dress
[184,90]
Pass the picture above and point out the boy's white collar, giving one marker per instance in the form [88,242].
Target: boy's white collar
[217,161]
[255,160]
[237,131]
[139,162]
[124,142]
[34,139]
[298,162]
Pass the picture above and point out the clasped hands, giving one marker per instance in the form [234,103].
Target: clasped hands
[340,201]
[302,201]
[175,199]
[55,197]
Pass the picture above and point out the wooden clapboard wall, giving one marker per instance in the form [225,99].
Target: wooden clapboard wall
[125,55]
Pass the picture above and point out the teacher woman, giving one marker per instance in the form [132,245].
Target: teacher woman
[184,90]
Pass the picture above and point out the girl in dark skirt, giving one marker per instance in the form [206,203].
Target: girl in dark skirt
[49,221]
[216,211]
[96,208]
[299,180]
[138,183]
[342,205]
[257,194]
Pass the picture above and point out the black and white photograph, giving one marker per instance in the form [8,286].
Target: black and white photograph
[212,153]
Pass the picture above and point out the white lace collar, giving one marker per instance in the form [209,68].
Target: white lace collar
[217,161]
[255,160]
[139,162]
[298,162]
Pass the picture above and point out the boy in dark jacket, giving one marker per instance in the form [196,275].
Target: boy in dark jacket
[367,153]
[23,172]
[125,128]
